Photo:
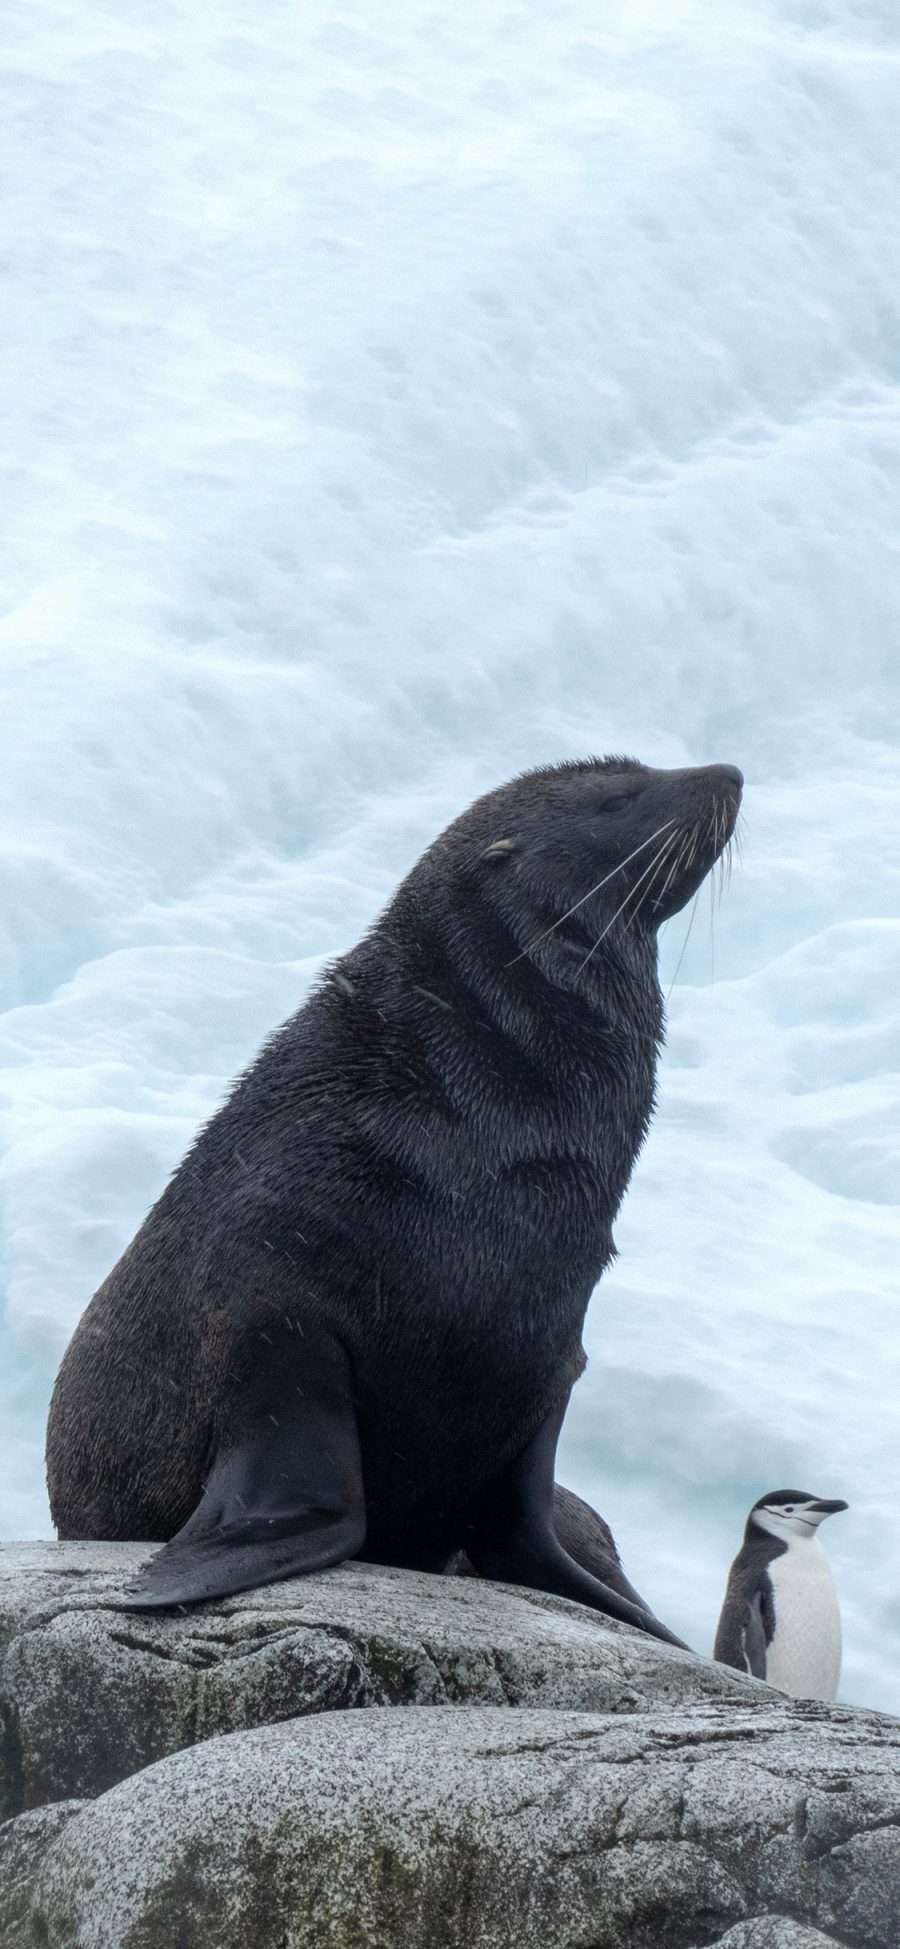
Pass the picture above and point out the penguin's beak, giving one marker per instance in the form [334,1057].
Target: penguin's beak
[823,1508]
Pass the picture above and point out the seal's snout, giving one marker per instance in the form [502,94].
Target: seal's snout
[725,785]
[730,777]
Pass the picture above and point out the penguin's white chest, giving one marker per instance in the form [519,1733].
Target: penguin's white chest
[804,1656]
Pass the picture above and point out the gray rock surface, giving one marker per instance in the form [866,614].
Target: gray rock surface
[774,1932]
[198,1780]
[23,1843]
[89,1694]
[732,1823]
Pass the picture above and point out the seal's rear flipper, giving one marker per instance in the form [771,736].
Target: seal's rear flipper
[585,1536]
[284,1494]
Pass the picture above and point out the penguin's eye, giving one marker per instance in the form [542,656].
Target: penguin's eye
[788,1509]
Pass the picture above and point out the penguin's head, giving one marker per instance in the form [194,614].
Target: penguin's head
[791,1514]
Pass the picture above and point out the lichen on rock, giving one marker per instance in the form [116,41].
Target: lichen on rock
[131,1688]
[539,1775]
[493,1829]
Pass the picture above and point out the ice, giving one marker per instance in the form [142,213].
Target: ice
[392,401]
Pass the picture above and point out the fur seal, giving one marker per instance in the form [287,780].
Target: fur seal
[351,1324]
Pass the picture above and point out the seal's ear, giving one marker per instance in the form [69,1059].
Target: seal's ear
[498,847]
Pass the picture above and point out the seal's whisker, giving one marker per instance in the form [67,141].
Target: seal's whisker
[717,831]
[630,896]
[664,849]
[687,851]
[655,863]
[591,891]
[730,850]
[684,943]
[673,869]
[661,861]
[712,927]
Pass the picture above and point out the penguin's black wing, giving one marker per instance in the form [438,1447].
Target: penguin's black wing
[755,1636]
[742,1636]
[284,1492]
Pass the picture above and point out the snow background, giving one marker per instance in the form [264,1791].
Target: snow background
[389,406]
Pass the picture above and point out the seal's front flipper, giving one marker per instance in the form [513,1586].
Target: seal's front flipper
[284,1493]
[513,1538]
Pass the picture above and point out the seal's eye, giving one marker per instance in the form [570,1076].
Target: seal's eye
[617,802]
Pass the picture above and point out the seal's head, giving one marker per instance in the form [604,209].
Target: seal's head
[597,849]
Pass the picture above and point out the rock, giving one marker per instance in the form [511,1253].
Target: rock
[638,1796]
[775,1932]
[89,1694]
[746,1823]
[23,1842]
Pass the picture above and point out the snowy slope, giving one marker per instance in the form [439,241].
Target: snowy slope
[390,405]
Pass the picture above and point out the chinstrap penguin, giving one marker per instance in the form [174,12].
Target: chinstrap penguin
[780,1618]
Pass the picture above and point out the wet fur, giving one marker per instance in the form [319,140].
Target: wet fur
[421,1168]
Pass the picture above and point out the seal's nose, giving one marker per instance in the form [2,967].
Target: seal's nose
[732,774]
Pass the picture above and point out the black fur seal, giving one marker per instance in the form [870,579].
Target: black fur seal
[351,1324]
